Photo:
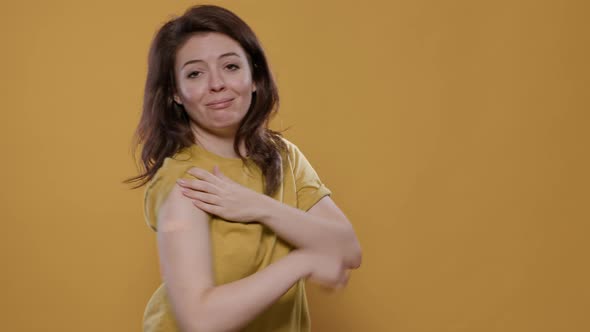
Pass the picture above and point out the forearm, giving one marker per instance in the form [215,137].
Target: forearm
[307,231]
[231,306]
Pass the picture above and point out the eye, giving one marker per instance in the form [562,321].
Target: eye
[190,75]
[232,67]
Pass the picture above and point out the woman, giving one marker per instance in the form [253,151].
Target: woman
[242,219]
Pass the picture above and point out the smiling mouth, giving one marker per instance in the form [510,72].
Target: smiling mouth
[220,105]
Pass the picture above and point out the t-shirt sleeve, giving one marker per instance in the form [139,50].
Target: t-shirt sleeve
[158,189]
[310,189]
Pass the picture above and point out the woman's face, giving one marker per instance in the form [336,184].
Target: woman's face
[214,82]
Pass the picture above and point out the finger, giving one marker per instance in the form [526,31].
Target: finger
[209,208]
[199,185]
[202,174]
[217,172]
[202,196]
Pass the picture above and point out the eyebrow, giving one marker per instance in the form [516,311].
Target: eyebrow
[199,60]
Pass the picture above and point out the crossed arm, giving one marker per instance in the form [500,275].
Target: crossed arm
[324,228]
[186,258]
[184,249]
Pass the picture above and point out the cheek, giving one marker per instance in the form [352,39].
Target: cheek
[246,93]
[245,87]
[192,93]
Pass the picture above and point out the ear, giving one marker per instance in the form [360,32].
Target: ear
[177,99]
[253,87]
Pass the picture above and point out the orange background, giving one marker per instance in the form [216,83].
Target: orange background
[454,134]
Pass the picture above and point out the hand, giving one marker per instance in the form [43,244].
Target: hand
[219,195]
[326,270]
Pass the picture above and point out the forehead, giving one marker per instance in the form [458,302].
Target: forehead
[207,47]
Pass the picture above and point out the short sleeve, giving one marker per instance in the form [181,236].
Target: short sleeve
[158,189]
[310,189]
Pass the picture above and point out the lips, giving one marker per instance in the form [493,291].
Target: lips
[220,101]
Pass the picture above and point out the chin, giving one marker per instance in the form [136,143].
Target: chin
[225,129]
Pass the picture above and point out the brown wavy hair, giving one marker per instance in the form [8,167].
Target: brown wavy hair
[164,128]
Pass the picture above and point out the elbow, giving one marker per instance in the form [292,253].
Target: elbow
[200,319]
[356,258]
[354,255]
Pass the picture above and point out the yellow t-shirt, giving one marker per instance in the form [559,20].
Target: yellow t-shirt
[239,249]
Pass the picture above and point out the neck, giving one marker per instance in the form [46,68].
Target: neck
[220,145]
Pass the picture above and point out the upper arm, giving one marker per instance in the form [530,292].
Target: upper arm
[327,208]
[314,197]
[183,248]
[309,187]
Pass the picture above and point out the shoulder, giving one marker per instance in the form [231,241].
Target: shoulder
[170,170]
[160,186]
[296,157]
[287,142]
[291,148]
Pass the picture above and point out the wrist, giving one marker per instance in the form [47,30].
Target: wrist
[302,263]
[267,205]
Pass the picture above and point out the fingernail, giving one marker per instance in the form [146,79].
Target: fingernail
[180,181]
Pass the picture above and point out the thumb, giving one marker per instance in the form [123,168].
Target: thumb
[217,172]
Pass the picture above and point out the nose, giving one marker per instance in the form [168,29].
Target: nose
[216,81]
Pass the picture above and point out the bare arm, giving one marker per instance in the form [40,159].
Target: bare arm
[186,267]
[324,228]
